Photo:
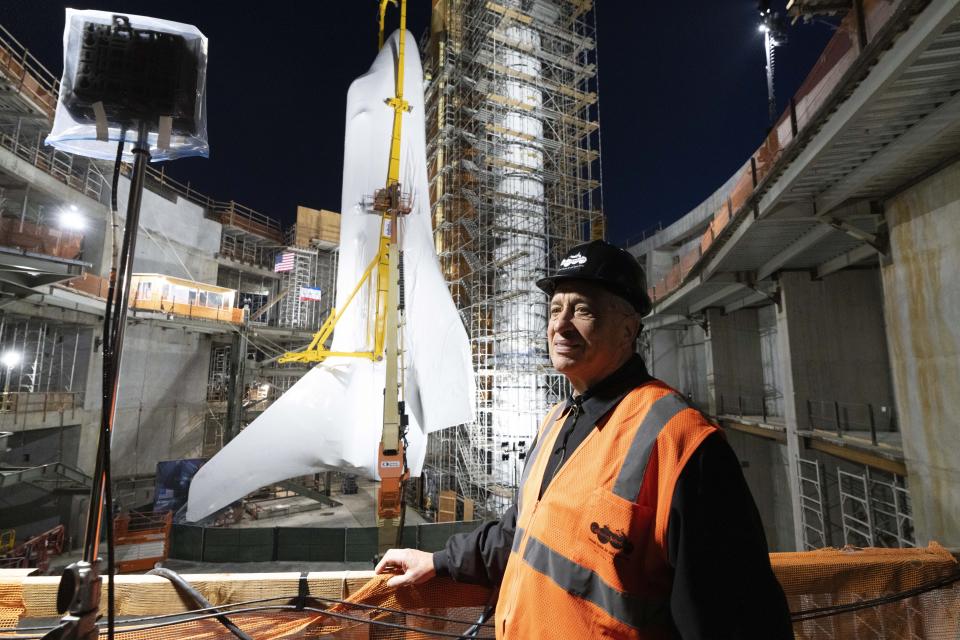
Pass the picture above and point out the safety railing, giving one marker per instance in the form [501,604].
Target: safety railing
[43,403]
[100,287]
[39,238]
[141,540]
[227,212]
[839,56]
[186,310]
[82,176]
[840,417]
[31,78]
[743,405]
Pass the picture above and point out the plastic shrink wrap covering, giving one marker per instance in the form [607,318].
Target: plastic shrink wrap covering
[133,66]
[332,417]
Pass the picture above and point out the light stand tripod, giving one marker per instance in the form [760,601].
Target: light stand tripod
[78,596]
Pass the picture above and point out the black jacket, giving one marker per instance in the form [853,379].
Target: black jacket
[723,585]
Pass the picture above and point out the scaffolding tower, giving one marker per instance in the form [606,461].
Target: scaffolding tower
[295,311]
[513,158]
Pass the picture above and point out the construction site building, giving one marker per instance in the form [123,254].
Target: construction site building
[513,158]
[810,303]
[213,307]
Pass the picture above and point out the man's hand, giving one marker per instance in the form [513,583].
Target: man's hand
[412,566]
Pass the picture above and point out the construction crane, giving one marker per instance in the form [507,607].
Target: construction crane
[391,203]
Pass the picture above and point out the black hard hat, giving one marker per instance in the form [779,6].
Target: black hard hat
[606,265]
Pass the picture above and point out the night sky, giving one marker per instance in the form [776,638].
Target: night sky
[682,94]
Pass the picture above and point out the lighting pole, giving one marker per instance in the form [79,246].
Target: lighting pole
[773,28]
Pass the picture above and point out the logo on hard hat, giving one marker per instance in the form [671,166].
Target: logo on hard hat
[574,260]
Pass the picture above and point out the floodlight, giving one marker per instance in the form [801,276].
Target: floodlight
[72,220]
[762,28]
[11,359]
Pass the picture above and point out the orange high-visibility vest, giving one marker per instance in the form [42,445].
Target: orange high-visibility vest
[589,558]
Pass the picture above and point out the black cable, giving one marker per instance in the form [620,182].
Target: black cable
[227,608]
[186,589]
[107,474]
[291,608]
[832,610]
[115,183]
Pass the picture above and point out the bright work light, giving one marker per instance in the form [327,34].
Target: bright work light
[11,359]
[72,220]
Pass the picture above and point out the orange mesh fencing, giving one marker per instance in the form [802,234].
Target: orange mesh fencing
[830,578]
[854,594]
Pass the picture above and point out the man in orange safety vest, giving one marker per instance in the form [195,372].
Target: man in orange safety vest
[633,519]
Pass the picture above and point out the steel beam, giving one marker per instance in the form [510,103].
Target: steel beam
[806,241]
[716,297]
[850,258]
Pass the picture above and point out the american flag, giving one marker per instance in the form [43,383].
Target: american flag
[284,262]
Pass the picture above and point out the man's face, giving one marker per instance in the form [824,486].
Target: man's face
[590,332]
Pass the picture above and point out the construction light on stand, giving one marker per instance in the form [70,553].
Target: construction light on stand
[72,220]
[133,88]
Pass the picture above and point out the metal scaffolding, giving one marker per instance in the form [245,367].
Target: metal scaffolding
[513,158]
[312,269]
[865,506]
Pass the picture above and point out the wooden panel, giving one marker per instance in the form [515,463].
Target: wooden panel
[448,507]
[317,227]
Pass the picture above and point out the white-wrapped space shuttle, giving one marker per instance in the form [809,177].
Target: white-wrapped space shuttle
[332,418]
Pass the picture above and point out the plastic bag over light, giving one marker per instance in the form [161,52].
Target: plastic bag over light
[121,69]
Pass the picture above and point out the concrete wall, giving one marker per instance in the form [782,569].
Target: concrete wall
[162,399]
[175,238]
[922,285]
[734,362]
[837,341]
[678,357]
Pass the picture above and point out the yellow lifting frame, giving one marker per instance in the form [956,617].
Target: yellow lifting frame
[315,352]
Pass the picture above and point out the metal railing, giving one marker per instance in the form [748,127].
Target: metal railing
[227,212]
[840,417]
[743,405]
[30,76]
[22,402]
[83,176]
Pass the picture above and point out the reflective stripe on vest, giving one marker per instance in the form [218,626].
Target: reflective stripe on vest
[517,539]
[634,467]
[584,583]
[532,456]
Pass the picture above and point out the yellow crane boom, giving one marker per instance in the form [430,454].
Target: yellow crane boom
[391,204]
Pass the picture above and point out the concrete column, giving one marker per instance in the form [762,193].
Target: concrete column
[922,291]
[238,360]
[833,349]
[790,411]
